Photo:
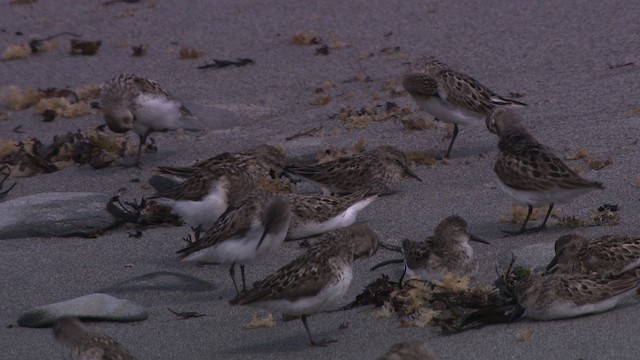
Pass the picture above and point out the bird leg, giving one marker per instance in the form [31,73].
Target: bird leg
[313,342]
[455,134]
[524,226]
[244,284]
[232,272]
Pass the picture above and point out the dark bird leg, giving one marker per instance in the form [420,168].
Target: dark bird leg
[455,134]
[546,217]
[143,140]
[313,342]
[232,272]
[244,283]
[524,226]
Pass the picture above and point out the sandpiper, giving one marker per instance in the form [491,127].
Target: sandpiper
[316,214]
[131,102]
[451,96]
[85,345]
[558,296]
[528,171]
[378,170]
[206,194]
[608,256]
[317,280]
[246,232]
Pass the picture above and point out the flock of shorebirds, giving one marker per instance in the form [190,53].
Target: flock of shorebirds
[239,224]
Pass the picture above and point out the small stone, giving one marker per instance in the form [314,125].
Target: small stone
[93,307]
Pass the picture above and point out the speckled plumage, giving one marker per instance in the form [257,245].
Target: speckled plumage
[261,161]
[379,170]
[246,232]
[560,296]
[206,194]
[451,96]
[85,345]
[408,351]
[528,171]
[447,251]
[317,280]
[316,214]
[131,102]
[607,256]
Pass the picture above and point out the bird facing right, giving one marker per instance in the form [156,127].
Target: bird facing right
[85,345]
[379,170]
[451,96]
[448,251]
[261,161]
[528,171]
[317,280]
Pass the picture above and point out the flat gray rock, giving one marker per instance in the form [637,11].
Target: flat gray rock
[55,214]
[161,281]
[93,306]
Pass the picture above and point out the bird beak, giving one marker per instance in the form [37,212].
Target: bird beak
[551,268]
[408,171]
[477,239]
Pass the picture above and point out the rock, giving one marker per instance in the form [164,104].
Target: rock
[161,281]
[55,214]
[93,306]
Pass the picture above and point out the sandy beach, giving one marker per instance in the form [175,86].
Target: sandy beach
[574,63]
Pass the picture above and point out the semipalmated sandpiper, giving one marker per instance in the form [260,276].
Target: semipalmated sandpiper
[607,256]
[528,171]
[206,194]
[317,214]
[451,96]
[317,280]
[378,170]
[558,296]
[85,345]
[246,232]
[131,102]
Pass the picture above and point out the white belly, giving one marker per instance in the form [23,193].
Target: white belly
[240,249]
[326,299]
[156,113]
[449,113]
[541,198]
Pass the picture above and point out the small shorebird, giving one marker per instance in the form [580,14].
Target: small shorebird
[206,194]
[451,96]
[85,345]
[408,351]
[248,231]
[378,170]
[528,171]
[607,256]
[261,161]
[317,214]
[447,251]
[317,280]
[131,102]
[558,296]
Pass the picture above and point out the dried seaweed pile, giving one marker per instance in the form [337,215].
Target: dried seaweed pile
[31,157]
[451,305]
